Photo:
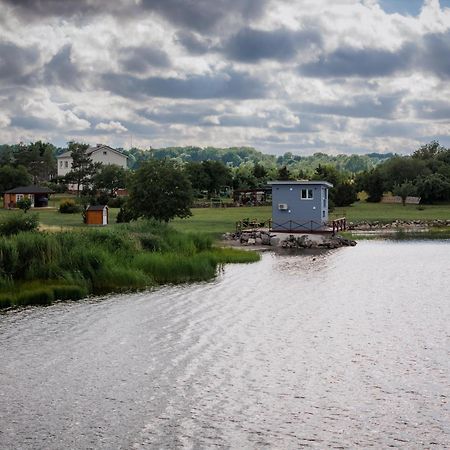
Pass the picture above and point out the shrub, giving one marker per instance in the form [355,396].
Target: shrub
[69,207]
[17,223]
[116,202]
[24,204]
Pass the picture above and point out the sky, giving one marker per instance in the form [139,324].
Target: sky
[300,76]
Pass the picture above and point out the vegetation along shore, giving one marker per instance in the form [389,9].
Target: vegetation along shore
[40,267]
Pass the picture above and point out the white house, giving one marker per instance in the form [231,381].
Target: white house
[100,153]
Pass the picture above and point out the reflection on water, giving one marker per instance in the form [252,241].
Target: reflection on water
[344,348]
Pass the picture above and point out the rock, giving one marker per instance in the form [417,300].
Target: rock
[258,241]
[251,241]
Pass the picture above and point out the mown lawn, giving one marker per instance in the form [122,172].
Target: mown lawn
[216,221]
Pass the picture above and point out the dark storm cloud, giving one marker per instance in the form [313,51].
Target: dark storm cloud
[204,15]
[193,43]
[432,109]
[182,114]
[352,62]
[140,59]
[252,45]
[33,123]
[356,106]
[15,61]
[33,9]
[224,85]
[61,71]
[410,130]
[435,55]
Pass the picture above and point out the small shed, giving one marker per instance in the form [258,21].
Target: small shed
[37,194]
[299,206]
[97,215]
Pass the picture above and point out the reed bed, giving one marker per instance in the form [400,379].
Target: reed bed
[39,267]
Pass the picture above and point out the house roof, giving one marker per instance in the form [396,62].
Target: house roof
[301,183]
[93,149]
[96,208]
[30,190]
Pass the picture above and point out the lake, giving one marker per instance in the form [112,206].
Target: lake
[345,348]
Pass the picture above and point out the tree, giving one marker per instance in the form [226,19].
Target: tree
[12,177]
[82,166]
[433,188]
[110,178]
[372,183]
[283,173]
[159,190]
[344,194]
[404,190]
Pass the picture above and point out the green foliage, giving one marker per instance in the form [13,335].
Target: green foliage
[15,223]
[345,194]
[42,296]
[69,206]
[82,166]
[24,204]
[159,190]
[110,178]
[434,187]
[37,268]
[12,177]
[210,176]
[404,190]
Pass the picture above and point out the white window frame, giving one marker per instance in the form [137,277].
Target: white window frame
[306,194]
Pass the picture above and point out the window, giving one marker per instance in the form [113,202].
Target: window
[306,194]
[323,214]
[105,153]
[19,197]
[66,164]
[324,202]
[61,164]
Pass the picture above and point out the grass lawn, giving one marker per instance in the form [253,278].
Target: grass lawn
[216,221]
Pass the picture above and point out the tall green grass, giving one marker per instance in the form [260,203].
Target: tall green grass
[38,268]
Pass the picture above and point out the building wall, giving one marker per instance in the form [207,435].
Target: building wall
[102,155]
[298,209]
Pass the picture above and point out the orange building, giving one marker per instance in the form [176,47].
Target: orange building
[97,215]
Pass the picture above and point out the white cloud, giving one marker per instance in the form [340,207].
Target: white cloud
[116,127]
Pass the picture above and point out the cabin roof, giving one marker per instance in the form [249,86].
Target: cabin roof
[96,208]
[30,190]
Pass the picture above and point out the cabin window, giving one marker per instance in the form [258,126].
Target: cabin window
[306,194]
[61,164]
[324,202]
[323,214]
[66,164]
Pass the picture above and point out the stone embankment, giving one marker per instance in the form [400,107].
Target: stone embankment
[397,224]
[263,238]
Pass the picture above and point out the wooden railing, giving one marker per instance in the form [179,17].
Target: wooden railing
[339,224]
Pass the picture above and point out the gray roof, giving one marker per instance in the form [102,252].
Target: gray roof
[30,190]
[302,182]
[93,149]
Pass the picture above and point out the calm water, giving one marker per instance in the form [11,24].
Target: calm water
[349,348]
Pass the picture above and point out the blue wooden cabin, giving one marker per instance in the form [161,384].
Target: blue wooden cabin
[299,206]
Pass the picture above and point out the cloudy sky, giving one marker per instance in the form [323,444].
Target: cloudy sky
[337,76]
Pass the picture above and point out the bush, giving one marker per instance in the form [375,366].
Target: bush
[17,223]
[69,207]
[116,202]
[24,204]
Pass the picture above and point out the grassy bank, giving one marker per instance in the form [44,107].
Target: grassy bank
[39,267]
